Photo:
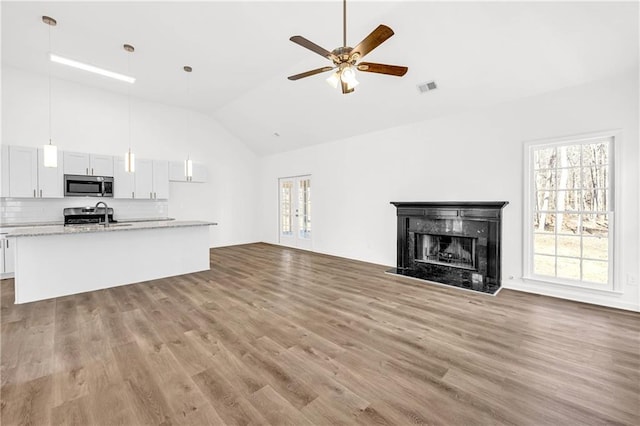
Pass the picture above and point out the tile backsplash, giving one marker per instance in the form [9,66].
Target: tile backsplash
[25,210]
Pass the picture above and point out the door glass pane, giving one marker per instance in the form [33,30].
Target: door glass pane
[304,208]
[285,207]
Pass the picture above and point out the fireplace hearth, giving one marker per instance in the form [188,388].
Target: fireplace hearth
[454,243]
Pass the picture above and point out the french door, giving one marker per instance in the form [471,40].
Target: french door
[295,211]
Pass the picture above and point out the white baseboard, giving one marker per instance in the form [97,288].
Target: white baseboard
[612,300]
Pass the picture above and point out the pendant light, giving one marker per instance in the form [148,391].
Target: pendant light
[129,157]
[188,164]
[50,151]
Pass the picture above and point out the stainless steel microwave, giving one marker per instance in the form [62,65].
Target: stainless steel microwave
[88,186]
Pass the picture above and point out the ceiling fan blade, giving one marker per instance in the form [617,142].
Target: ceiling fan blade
[345,88]
[373,40]
[396,70]
[309,73]
[313,47]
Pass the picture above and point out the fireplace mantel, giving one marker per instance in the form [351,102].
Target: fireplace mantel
[451,242]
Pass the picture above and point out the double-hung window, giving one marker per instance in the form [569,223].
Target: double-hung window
[569,211]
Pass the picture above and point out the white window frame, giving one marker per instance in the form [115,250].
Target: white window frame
[614,284]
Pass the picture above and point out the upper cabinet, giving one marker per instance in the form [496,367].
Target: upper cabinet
[80,163]
[177,172]
[152,180]
[24,174]
[50,179]
[123,181]
[144,179]
[160,180]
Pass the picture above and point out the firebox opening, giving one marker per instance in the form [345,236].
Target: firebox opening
[449,250]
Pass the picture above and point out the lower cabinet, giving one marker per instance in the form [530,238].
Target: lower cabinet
[7,259]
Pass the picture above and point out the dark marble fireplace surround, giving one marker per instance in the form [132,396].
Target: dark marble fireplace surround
[454,243]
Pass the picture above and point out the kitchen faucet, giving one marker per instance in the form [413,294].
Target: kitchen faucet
[106,212]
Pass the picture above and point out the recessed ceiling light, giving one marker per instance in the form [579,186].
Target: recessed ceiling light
[91,68]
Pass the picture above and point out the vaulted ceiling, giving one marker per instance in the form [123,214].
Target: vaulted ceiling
[478,53]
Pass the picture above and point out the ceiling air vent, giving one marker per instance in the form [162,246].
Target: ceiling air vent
[427,87]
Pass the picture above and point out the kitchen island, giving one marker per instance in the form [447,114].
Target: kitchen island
[53,261]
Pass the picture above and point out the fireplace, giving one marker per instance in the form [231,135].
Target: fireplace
[450,250]
[454,243]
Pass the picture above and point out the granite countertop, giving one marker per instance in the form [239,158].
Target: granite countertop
[36,231]
[59,223]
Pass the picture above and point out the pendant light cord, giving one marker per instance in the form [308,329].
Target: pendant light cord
[49,74]
[129,95]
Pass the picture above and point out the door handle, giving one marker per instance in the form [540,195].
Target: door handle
[92,171]
[151,195]
[133,195]
[87,171]
[41,193]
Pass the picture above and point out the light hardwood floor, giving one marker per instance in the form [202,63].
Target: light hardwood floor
[272,335]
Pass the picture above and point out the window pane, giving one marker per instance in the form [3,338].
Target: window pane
[568,178]
[569,201]
[595,153]
[569,268]
[595,177]
[544,265]
[595,225]
[545,222]
[595,200]
[568,223]
[544,244]
[595,248]
[545,180]
[595,271]
[546,200]
[544,158]
[568,246]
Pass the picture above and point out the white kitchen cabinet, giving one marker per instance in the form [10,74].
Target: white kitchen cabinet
[80,163]
[27,176]
[177,172]
[76,163]
[101,165]
[144,179]
[7,261]
[50,179]
[160,180]
[199,173]
[4,170]
[123,181]
[23,172]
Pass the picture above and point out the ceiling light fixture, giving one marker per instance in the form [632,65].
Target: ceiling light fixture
[188,164]
[346,59]
[50,151]
[86,67]
[129,157]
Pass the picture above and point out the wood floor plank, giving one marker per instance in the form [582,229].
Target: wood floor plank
[143,393]
[272,335]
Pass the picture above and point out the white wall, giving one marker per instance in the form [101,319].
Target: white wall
[93,120]
[473,156]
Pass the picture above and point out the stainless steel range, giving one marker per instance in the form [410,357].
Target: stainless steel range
[87,215]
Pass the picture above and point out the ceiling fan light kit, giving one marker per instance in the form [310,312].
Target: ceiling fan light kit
[345,59]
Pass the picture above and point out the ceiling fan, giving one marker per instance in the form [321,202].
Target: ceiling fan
[345,59]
